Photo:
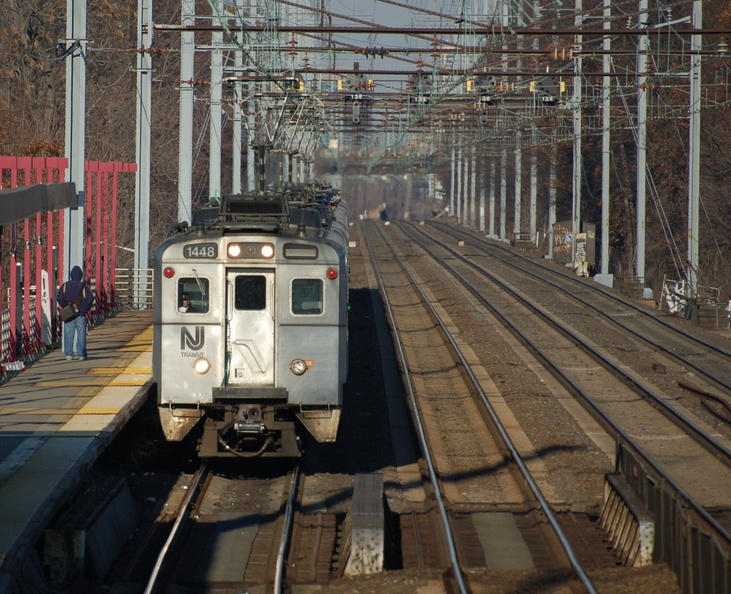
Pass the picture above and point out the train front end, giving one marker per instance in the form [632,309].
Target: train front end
[259,347]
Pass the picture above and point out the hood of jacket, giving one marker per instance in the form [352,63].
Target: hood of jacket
[76,274]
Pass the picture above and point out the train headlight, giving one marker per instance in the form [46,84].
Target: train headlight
[298,366]
[332,273]
[267,250]
[255,250]
[202,366]
[168,272]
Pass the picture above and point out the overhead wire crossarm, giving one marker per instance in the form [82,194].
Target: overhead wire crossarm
[475,30]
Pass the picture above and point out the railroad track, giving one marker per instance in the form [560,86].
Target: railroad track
[464,393]
[709,359]
[696,472]
[473,277]
[226,532]
[620,422]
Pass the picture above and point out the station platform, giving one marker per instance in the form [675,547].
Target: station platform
[56,418]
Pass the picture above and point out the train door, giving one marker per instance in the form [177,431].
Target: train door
[250,332]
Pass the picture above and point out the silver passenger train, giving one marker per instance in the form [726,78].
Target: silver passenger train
[259,347]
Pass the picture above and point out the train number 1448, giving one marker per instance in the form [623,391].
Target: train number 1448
[201,250]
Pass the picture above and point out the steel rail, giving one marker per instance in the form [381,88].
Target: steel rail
[286,532]
[175,532]
[515,454]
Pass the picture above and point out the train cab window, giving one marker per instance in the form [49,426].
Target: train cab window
[307,296]
[250,293]
[193,295]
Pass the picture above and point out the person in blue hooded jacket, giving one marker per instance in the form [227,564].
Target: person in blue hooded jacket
[75,329]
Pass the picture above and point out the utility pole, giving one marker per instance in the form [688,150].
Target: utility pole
[481,184]
[694,156]
[537,14]
[604,277]
[453,178]
[532,220]
[518,184]
[493,192]
[237,131]
[473,189]
[216,108]
[503,191]
[576,111]
[144,126]
[552,191]
[75,130]
[642,149]
[458,197]
[185,132]
[505,10]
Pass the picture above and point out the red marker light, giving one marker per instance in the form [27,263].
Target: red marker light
[332,274]
[169,272]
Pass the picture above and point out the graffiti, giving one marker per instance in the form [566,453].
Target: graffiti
[562,239]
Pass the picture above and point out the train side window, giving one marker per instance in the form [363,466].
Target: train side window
[307,296]
[193,295]
[250,293]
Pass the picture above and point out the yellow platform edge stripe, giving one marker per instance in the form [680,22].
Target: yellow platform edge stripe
[130,383]
[119,370]
[97,382]
[98,410]
[46,412]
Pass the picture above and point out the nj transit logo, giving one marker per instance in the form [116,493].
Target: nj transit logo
[194,342]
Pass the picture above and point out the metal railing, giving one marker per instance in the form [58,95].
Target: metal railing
[133,288]
[692,541]
[27,347]
[133,291]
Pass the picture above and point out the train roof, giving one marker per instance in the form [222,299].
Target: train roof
[309,206]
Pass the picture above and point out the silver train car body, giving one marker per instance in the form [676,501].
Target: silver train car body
[263,348]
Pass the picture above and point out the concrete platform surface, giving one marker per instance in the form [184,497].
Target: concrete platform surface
[56,418]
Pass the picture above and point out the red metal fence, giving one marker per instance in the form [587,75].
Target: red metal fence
[32,255]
